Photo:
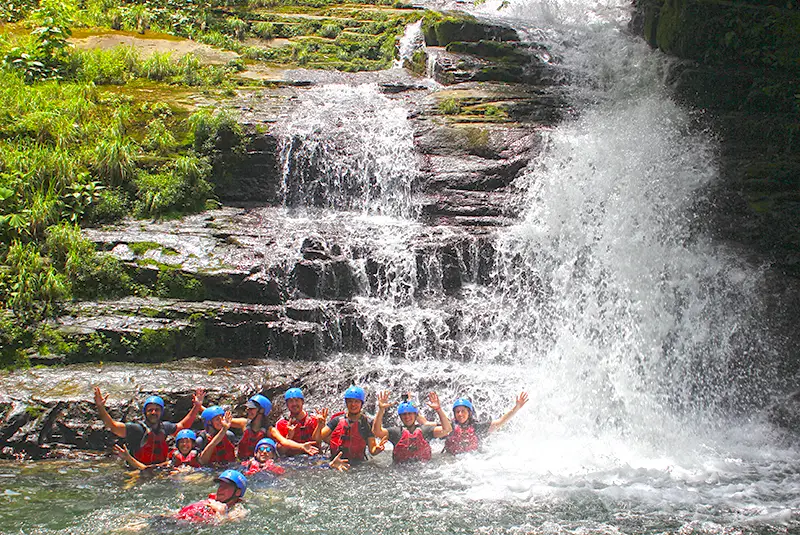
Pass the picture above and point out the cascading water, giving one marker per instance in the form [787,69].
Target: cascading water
[637,338]
[411,41]
[348,148]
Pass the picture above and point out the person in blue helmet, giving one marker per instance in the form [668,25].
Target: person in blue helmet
[255,428]
[184,455]
[299,426]
[411,441]
[222,505]
[216,441]
[350,432]
[467,433]
[264,460]
[146,440]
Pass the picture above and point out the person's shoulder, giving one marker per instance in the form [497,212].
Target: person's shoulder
[170,428]
[137,428]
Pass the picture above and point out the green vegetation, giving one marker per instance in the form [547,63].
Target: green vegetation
[91,136]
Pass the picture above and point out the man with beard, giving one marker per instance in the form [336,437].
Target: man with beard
[299,427]
[147,440]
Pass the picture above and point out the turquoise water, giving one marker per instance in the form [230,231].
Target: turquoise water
[725,496]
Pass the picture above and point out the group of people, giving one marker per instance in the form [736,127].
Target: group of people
[349,435]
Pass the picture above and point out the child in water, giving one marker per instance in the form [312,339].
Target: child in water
[264,455]
[184,454]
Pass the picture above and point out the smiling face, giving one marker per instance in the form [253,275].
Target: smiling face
[152,413]
[263,454]
[216,422]
[461,415]
[295,406]
[185,445]
[408,418]
[252,413]
[353,406]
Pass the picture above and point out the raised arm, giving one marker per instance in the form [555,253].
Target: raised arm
[377,425]
[118,428]
[205,456]
[197,406]
[522,399]
[444,428]
[307,447]
[322,432]
[376,447]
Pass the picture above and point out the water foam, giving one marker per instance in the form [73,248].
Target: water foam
[348,147]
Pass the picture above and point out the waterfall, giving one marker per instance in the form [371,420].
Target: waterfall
[411,41]
[348,148]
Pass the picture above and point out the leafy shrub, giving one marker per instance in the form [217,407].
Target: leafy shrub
[158,137]
[214,131]
[449,106]
[29,285]
[159,67]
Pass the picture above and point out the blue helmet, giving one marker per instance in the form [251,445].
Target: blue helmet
[406,407]
[153,400]
[185,433]
[259,401]
[212,412]
[464,402]
[355,392]
[293,393]
[237,478]
[268,442]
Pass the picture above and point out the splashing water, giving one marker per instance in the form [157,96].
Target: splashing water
[348,148]
[411,41]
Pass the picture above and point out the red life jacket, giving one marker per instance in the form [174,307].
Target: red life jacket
[304,432]
[198,511]
[461,440]
[179,459]
[225,452]
[253,467]
[412,447]
[247,444]
[347,438]
[153,448]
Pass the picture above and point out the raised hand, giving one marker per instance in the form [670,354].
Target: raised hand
[337,463]
[383,399]
[433,401]
[381,445]
[99,398]
[198,396]
[322,415]
[290,429]
[227,419]
[522,399]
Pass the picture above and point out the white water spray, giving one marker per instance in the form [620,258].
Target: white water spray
[348,147]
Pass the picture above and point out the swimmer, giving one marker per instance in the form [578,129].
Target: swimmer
[467,433]
[264,460]
[349,432]
[411,441]
[147,440]
[222,505]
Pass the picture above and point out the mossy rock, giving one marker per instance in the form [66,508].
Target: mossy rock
[717,31]
[442,29]
[494,50]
